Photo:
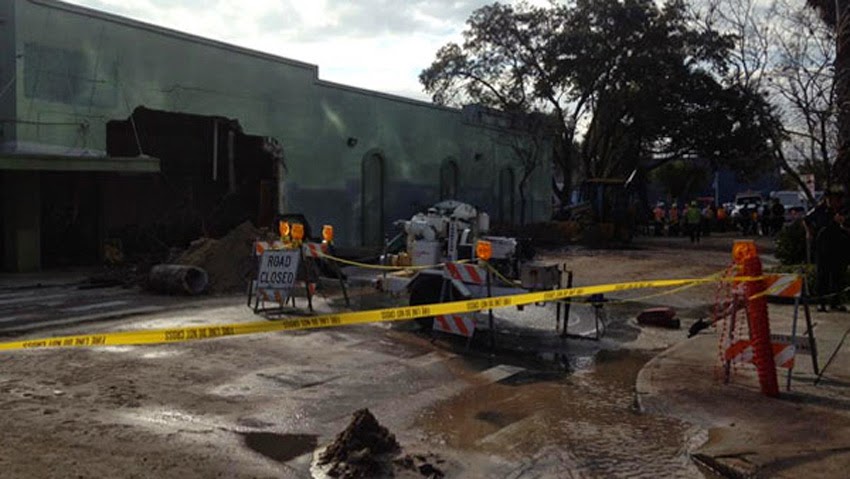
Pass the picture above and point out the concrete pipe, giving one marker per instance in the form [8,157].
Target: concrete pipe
[178,279]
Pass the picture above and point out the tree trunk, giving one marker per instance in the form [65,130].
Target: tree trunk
[840,174]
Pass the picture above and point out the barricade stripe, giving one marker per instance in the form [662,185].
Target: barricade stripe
[782,285]
[453,271]
[461,326]
[473,274]
[742,352]
[174,335]
[784,358]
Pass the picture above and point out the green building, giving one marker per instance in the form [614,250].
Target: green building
[116,129]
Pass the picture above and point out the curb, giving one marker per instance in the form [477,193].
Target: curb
[643,387]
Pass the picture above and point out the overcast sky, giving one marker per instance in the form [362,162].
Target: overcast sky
[375,44]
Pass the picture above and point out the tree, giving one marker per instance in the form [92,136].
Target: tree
[834,14]
[682,180]
[629,83]
[793,71]
[532,138]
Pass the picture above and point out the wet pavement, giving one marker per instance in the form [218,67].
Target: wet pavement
[35,306]
[537,405]
[581,424]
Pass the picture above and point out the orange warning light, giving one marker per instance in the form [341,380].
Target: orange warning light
[743,250]
[484,250]
[328,233]
[283,228]
[297,231]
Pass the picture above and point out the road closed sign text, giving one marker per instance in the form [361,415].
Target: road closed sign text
[278,271]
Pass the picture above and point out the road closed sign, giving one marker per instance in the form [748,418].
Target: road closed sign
[278,272]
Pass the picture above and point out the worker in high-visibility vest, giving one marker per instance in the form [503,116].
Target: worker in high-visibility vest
[673,229]
[722,217]
[658,217]
[693,222]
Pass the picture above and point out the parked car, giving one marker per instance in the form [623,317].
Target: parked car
[795,202]
[743,207]
[745,201]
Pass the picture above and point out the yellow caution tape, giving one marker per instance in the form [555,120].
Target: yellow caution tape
[721,275]
[381,266]
[176,335]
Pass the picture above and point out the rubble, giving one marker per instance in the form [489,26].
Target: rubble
[362,450]
[228,261]
[365,449]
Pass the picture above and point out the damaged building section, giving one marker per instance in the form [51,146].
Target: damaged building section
[122,140]
[213,177]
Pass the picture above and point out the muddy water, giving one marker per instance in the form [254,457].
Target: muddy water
[280,447]
[584,424]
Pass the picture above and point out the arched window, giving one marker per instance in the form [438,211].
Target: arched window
[506,195]
[448,179]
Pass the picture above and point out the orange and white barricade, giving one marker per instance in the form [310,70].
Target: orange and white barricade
[461,325]
[261,247]
[783,285]
[467,273]
[742,352]
[471,281]
[314,250]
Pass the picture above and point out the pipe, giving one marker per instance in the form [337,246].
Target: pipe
[178,279]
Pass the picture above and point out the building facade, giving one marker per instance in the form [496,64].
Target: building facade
[109,125]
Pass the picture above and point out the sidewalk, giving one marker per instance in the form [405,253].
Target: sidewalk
[806,432]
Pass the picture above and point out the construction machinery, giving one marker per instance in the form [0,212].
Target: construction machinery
[448,232]
[441,249]
[604,208]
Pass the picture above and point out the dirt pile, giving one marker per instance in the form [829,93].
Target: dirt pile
[420,465]
[229,261]
[365,449]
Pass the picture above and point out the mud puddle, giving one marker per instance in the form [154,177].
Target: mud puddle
[579,424]
[280,447]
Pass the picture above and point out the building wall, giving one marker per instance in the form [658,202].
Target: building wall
[78,69]
[7,72]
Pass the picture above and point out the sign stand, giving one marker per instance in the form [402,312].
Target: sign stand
[491,320]
[784,346]
[312,254]
[307,288]
[567,303]
[277,272]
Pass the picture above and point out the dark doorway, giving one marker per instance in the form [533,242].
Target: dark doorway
[373,200]
[70,218]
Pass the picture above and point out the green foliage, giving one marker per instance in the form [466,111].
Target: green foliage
[791,244]
[682,180]
[648,86]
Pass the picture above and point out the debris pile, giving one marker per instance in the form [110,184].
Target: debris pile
[228,261]
[420,464]
[365,449]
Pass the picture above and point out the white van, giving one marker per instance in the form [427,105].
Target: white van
[795,202]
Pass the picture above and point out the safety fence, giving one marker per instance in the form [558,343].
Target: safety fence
[176,335]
